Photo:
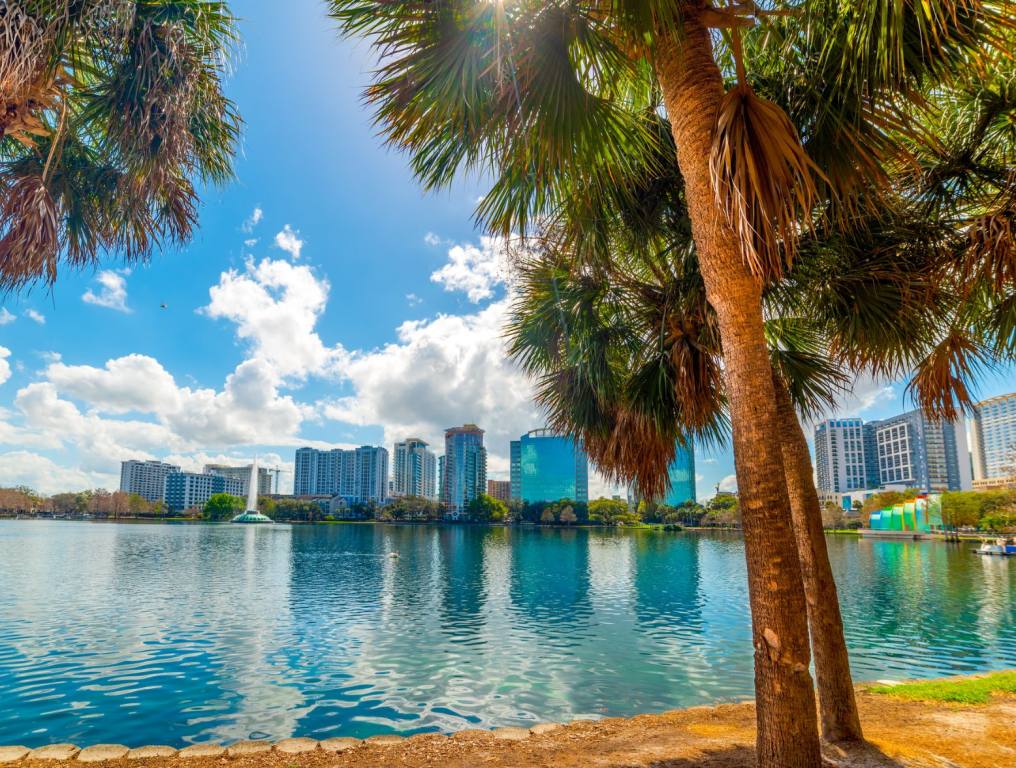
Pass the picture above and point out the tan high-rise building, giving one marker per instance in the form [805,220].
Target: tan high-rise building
[500,489]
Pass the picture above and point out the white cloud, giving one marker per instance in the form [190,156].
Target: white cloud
[475,270]
[710,461]
[253,220]
[6,318]
[413,300]
[442,372]
[432,240]
[112,292]
[276,305]
[5,367]
[37,317]
[46,476]
[131,383]
[729,484]
[250,242]
[289,241]
[249,410]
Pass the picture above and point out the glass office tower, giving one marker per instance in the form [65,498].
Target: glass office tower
[547,466]
[682,476]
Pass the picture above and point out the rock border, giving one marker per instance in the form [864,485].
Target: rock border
[10,755]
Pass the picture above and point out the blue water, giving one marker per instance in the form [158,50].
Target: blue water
[137,633]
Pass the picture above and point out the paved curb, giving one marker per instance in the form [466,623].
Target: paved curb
[293,746]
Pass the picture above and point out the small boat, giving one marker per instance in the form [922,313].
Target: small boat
[1001,547]
[393,555]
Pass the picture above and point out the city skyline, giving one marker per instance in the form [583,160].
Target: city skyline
[304,312]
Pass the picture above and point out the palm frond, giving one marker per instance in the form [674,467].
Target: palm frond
[764,180]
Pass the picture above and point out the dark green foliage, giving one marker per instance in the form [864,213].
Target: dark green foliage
[222,506]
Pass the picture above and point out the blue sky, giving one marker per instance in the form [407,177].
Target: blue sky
[352,308]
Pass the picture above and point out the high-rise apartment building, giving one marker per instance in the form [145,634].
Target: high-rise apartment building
[840,456]
[242,474]
[414,469]
[500,489]
[547,466]
[993,441]
[917,452]
[189,490]
[465,468]
[358,474]
[145,478]
[682,476]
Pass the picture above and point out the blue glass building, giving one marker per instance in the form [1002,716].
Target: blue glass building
[546,466]
[682,476]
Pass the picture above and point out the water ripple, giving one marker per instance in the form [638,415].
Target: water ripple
[176,634]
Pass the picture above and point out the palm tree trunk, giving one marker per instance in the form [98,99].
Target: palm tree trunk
[837,705]
[785,698]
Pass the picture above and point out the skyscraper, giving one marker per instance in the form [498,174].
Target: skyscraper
[414,469]
[189,490]
[242,473]
[145,478]
[547,466]
[840,456]
[993,441]
[920,453]
[465,468]
[358,474]
[500,490]
[682,476]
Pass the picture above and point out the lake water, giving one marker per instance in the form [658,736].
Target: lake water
[145,633]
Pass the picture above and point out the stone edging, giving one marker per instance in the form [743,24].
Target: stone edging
[293,746]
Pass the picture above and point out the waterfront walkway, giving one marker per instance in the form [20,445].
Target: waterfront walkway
[902,734]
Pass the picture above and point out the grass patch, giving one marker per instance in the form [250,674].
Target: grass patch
[971,690]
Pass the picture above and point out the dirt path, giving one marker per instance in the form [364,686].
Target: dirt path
[901,734]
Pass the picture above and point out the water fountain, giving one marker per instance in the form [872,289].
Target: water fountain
[251,514]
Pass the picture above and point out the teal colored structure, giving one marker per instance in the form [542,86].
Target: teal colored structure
[920,515]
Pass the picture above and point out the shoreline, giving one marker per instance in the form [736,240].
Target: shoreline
[901,733]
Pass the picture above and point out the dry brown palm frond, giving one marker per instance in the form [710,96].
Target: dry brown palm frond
[634,452]
[29,223]
[24,40]
[763,178]
[941,381]
[991,253]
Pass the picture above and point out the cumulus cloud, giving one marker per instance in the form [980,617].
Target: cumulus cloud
[439,373]
[46,476]
[253,220]
[6,317]
[36,317]
[289,241]
[413,300]
[112,292]
[276,305]
[729,484]
[5,367]
[474,270]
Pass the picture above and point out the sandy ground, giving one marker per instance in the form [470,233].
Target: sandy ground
[900,733]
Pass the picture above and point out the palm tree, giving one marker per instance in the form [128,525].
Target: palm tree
[110,111]
[551,97]
[883,295]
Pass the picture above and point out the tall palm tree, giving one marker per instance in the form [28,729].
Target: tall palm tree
[912,288]
[546,96]
[110,111]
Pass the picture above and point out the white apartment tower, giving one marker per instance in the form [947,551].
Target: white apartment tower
[993,441]
[145,478]
[840,457]
[414,469]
